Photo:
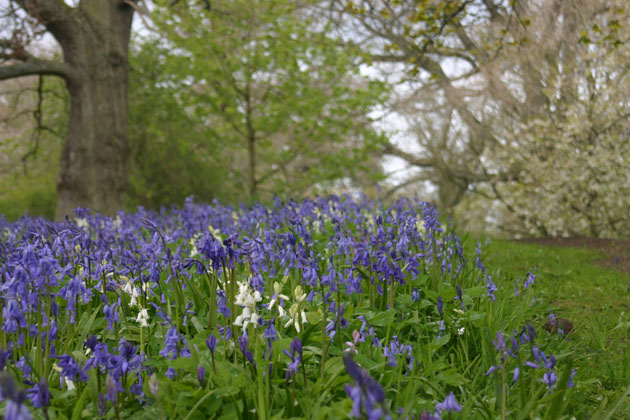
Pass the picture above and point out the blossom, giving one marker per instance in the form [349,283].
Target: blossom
[201,375]
[70,369]
[415,295]
[441,328]
[39,394]
[223,309]
[449,404]
[13,317]
[111,314]
[270,334]
[529,280]
[15,408]
[499,342]
[352,345]
[82,223]
[100,355]
[172,347]
[295,316]
[131,291]
[171,373]
[367,394]
[570,383]
[154,387]
[491,288]
[247,298]
[299,294]
[295,354]
[460,296]
[277,288]
[142,318]
[492,369]
[211,342]
[242,344]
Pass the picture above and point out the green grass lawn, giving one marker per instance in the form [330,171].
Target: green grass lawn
[593,298]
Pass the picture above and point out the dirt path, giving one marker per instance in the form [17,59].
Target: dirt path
[617,253]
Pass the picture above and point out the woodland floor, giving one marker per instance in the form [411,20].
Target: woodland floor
[617,252]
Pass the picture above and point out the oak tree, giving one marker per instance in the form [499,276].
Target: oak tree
[94,38]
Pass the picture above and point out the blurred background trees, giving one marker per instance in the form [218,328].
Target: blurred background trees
[517,112]
[273,105]
[512,116]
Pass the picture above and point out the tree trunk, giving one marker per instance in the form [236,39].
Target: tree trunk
[251,146]
[93,167]
[94,37]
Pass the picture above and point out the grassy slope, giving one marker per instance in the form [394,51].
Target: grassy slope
[594,298]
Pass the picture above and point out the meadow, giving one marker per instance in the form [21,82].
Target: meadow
[326,308]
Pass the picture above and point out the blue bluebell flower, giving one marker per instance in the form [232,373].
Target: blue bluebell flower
[449,404]
[70,369]
[242,344]
[529,280]
[211,342]
[491,288]
[111,315]
[367,394]
[39,394]
[201,375]
[175,345]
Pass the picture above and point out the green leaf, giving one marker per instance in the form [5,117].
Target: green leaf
[197,324]
[78,406]
[476,292]
[613,408]
[313,318]
[381,319]
[87,328]
[561,389]
[199,402]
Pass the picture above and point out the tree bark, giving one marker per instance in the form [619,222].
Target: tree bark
[251,145]
[93,166]
[94,37]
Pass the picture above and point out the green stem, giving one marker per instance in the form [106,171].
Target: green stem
[503,394]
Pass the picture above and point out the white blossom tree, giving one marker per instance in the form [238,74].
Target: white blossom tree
[523,102]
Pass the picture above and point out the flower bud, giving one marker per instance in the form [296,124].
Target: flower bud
[154,385]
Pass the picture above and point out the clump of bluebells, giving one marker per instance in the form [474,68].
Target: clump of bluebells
[319,308]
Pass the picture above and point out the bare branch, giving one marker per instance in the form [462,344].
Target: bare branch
[35,67]
[390,149]
[53,14]
[46,10]
[406,183]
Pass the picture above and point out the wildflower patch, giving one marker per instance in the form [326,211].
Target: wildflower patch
[322,308]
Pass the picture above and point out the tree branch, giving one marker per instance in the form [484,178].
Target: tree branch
[392,150]
[405,183]
[35,67]
[53,14]
[46,10]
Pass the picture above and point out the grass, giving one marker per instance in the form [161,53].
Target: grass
[595,299]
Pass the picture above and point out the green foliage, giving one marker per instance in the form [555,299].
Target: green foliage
[28,170]
[31,194]
[269,96]
[172,154]
[204,88]
[595,299]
